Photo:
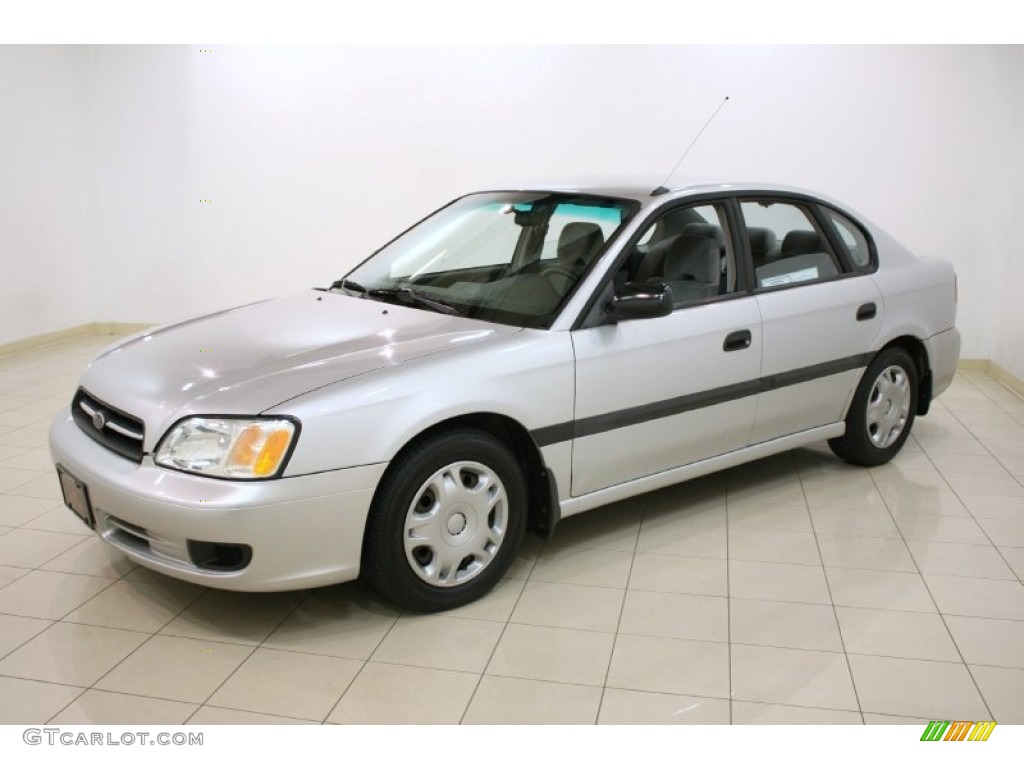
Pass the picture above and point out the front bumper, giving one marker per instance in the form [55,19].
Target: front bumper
[303,531]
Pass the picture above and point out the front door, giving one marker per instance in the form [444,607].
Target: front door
[655,394]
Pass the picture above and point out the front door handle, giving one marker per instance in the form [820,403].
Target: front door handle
[737,340]
[866,311]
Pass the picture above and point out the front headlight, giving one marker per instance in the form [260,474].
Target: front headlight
[241,449]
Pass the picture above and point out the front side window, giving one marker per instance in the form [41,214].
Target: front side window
[786,246]
[505,257]
[687,249]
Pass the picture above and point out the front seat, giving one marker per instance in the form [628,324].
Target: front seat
[578,243]
[692,268]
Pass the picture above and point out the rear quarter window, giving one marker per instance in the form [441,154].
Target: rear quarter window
[853,238]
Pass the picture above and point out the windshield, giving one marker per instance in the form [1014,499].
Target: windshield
[505,257]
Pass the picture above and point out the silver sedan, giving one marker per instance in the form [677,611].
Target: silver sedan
[512,359]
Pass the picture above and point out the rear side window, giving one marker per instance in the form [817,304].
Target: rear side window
[853,239]
[786,245]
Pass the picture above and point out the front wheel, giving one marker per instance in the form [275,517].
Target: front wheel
[882,411]
[446,522]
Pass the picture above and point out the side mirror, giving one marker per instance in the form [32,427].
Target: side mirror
[635,301]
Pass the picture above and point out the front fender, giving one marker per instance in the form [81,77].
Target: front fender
[528,377]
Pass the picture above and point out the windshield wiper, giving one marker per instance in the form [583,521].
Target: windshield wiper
[349,285]
[408,296]
[404,295]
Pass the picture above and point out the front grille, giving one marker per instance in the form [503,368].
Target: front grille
[114,429]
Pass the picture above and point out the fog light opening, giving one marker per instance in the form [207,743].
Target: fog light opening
[213,556]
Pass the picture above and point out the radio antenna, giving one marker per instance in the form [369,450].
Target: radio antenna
[662,189]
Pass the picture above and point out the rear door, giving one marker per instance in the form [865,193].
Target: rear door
[820,314]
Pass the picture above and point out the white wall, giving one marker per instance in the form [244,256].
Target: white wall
[313,156]
[47,186]
[1008,347]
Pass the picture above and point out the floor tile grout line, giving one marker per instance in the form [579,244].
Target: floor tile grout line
[363,663]
[729,698]
[597,631]
[29,639]
[199,705]
[729,596]
[831,597]
[501,635]
[622,608]
[942,618]
[63,620]
[249,655]
[298,720]
[977,522]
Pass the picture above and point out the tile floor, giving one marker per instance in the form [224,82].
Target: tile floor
[794,590]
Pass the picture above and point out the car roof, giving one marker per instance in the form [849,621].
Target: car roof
[643,189]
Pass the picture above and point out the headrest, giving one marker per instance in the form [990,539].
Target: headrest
[693,258]
[578,242]
[799,242]
[705,230]
[761,240]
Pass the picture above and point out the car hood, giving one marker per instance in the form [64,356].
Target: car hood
[251,358]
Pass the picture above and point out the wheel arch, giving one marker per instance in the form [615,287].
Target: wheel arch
[914,347]
[543,509]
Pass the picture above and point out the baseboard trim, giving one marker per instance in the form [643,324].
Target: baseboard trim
[86,329]
[121,329]
[972,364]
[996,371]
[1004,377]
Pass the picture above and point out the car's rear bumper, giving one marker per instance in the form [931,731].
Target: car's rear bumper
[943,355]
[303,531]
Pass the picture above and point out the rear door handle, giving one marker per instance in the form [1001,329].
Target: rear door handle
[866,311]
[737,340]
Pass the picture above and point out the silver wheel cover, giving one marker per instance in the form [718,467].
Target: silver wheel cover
[455,524]
[888,407]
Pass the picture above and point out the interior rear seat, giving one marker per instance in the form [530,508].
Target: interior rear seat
[763,245]
[803,257]
[799,242]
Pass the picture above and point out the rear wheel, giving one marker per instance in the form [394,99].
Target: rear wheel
[446,522]
[882,411]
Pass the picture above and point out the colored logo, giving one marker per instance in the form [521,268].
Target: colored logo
[958,730]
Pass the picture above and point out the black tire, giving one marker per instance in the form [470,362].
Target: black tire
[871,432]
[447,488]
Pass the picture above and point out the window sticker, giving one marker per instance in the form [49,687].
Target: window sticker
[800,276]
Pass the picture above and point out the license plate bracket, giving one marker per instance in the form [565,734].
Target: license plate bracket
[76,496]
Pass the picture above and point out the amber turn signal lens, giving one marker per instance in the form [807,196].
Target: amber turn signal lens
[273,452]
